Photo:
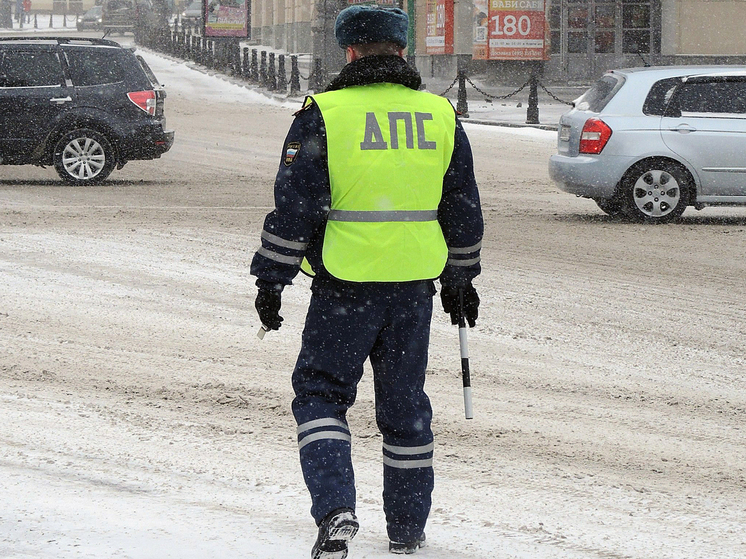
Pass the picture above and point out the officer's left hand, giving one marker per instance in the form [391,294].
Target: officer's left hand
[449,296]
[268,303]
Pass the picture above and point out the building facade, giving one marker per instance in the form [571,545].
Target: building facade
[40,7]
[581,38]
[588,37]
[564,41]
[284,24]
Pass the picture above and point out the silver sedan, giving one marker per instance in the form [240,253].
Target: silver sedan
[645,143]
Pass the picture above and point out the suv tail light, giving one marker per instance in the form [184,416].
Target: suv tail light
[145,100]
[595,135]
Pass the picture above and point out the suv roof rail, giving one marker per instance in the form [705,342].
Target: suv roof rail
[66,40]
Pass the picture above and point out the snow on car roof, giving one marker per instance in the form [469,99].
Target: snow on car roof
[741,73]
[683,70]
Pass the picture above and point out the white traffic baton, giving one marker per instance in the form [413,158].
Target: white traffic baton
[464,346]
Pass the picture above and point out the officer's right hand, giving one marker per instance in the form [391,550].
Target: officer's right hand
[452,298]
[268,303]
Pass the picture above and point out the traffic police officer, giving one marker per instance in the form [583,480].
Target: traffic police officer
[376,197]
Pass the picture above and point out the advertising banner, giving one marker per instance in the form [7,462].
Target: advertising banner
[226,18]
[439,36]
[510,30]
[481,20]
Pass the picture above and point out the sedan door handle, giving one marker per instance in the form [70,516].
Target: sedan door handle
[683,129]
[61,100]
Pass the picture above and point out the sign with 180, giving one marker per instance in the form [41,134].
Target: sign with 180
[513,30]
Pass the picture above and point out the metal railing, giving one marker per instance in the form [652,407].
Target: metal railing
[532,109]
[268,69]
[260,67]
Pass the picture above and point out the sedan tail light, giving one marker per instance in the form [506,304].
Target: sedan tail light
[595,135]
[145,100]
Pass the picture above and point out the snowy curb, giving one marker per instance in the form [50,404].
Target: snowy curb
[225,77]
[550,127]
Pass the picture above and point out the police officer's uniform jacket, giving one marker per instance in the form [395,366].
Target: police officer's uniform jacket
[379,209]
[303,196]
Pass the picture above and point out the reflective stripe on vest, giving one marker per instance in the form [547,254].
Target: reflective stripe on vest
[388,149]
[373,217]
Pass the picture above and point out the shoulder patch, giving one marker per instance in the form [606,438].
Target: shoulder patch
[291,151]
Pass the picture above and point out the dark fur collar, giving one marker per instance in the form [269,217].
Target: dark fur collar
[377,69]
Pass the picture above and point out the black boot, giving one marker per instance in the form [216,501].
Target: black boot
[335,532]
[407,548]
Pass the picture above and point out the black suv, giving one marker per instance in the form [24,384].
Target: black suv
[82,105]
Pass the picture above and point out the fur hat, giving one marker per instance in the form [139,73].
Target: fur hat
[358,25]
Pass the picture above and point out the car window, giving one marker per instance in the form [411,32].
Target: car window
[30,69]
[599,95]
[659,96]
[715,97]
[95,66]
[118,5]
[148,72]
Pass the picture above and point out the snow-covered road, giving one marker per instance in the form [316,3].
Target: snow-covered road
[140,416]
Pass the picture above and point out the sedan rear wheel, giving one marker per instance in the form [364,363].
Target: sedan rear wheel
[84,156]
[655,191]
[610,206]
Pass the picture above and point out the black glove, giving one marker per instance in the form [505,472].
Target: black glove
[268,304]
[449,296]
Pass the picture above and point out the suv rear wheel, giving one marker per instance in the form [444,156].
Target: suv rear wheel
[655,191]
[84,156]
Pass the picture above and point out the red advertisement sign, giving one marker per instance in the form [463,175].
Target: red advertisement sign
[512,30]
[226,18]
[439,36]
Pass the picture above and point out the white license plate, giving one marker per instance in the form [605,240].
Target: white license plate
[564,133]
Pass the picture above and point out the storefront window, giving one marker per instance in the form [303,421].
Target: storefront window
[636,42]
[636,16]
[604,41]
[605,24]
[577,42]
[605,16]
[595,26]
[577,17]
[636,27]
[577,22]
[555,27]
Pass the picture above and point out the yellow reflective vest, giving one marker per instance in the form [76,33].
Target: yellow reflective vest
[388,148]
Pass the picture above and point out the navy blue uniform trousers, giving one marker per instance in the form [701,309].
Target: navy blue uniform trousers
[345,325]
